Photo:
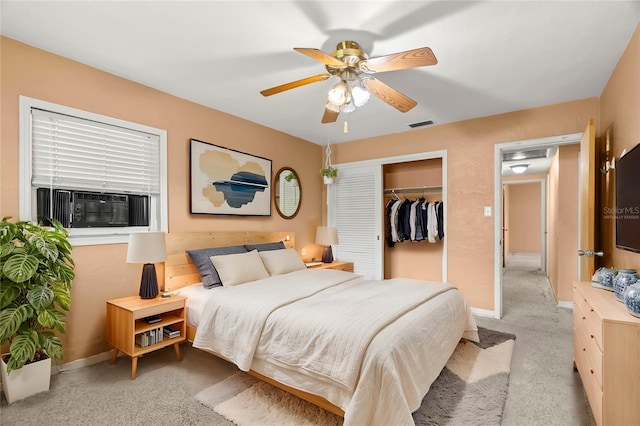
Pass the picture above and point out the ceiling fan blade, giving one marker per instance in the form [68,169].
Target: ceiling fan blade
[319,55]
[294,84]
[388,94]
[399,61]
[330,116]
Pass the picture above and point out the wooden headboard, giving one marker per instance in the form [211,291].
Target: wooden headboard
[178,270]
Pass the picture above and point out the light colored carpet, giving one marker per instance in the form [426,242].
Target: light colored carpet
[470,390]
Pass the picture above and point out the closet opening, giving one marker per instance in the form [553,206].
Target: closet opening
[414,220]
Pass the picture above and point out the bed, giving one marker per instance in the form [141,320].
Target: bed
[311,331]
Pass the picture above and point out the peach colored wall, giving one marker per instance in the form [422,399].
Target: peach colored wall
[552,225]
[101,271]
[524,217]
[401,260]
[567,221]
[620,115]
[470,164]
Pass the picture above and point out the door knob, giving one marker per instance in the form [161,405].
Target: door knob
[590,253]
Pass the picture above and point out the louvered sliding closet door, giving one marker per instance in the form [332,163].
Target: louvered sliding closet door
[355,208]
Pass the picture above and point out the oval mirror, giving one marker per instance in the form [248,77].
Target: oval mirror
[288,193]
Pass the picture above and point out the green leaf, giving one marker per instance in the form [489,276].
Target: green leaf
[6,248]
[20,267]
[51,345]
[62,295]
[22,349]
[8,293]
[51,318]
[10,321]
[46,248]
[40,297]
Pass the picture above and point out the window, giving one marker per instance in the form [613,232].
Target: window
[104,173]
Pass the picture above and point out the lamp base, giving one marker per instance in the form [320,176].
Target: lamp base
[327,254]
[149,282]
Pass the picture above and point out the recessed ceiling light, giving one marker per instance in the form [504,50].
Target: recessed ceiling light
[519,168]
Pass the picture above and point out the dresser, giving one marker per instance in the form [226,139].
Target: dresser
[606,353]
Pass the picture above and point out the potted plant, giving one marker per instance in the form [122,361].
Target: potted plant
[329,173]
[36,271]
[291,178]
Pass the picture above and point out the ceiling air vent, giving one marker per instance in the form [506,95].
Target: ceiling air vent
[420,124]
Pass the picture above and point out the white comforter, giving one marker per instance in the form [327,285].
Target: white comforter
[357,338]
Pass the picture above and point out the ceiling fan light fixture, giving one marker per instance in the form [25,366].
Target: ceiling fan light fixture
[349,107]
[332,107]
[360,96]
[338,94]
[519,168]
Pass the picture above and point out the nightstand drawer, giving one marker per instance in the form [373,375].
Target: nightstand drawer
[156,309]
[337,265]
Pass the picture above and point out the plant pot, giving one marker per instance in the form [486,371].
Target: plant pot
[29,380]
[328,180]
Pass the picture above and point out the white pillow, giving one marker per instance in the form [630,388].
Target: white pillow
[239,268]
[281,261]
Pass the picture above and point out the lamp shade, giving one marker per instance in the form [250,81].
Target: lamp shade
[146,247]
[326,235]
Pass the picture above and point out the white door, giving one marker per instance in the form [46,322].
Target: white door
[355,209]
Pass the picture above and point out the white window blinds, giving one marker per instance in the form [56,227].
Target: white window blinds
[74,153]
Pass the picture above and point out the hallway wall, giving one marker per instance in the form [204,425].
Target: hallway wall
[524,218]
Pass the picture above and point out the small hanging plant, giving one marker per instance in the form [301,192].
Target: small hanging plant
[329,173]
[289,177]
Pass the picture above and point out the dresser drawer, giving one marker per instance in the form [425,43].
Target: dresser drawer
[589,346]
[592,321]
[589,380]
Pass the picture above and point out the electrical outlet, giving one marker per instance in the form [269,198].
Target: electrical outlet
[304,252]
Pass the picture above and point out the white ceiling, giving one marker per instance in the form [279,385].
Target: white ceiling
[493,57]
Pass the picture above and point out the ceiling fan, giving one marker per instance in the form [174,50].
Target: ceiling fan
[355,69]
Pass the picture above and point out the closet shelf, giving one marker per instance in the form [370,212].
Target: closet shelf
[414,189]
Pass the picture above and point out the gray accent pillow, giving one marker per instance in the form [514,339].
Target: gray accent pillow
[208,273]
[265,246]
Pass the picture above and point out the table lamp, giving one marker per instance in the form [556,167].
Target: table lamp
[147,248]
[326,236]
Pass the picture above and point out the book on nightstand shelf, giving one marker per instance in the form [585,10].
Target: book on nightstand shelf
[171,332]
[149,338]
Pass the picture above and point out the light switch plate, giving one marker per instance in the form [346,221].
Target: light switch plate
[487,211]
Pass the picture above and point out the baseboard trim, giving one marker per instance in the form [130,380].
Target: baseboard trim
[483,312]
[564,304]
[83,362]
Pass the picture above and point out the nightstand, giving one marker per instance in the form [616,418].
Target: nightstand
[130,330]
[341,266]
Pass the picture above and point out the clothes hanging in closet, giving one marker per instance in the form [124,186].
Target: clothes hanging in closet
[413,220]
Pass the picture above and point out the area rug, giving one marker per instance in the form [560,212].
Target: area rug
[470,390]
